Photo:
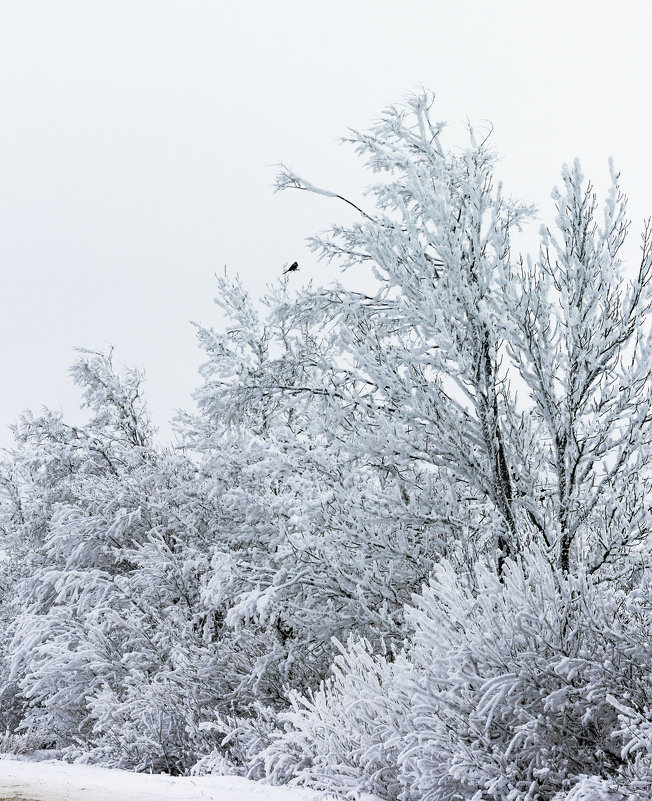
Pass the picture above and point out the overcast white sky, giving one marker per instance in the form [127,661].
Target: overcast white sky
[138,138]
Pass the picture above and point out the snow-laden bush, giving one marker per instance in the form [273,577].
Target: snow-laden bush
[151,726]
[348,735]
[25,743]
[591,788]
[507,690]
[155,600]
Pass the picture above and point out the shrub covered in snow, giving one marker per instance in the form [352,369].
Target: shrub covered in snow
[506,690]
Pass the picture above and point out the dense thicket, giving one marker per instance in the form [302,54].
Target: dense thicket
[403,545]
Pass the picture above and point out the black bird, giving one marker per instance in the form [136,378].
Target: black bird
[292,268]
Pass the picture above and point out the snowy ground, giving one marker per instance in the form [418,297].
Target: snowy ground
[57,781]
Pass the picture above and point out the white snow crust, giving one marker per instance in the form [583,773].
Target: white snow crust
[58,781]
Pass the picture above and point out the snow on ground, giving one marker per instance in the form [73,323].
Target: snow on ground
[58,781]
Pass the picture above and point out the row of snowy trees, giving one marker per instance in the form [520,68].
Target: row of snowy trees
[403,547]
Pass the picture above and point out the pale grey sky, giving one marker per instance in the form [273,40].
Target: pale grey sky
[138,138]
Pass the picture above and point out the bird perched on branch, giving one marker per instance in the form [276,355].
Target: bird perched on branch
[292,268]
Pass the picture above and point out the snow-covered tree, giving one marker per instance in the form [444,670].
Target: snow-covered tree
[525,381]
[523,385]
[316,542]
[166,596]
